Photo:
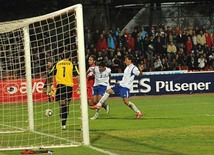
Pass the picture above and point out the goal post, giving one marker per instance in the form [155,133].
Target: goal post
[28,77]
[28,49]
[83,90]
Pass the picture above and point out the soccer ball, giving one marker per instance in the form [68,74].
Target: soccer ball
[48,112]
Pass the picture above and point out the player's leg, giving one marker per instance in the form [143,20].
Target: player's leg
[95,100]
[133,107]
[63,113]
[124,93]
[105,96]
[68,93]
[102,91]
[103,99]
[90,96]
[96,97]
[106,107]
[59,98]
[63,95]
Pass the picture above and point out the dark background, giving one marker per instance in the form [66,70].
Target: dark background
[97,13]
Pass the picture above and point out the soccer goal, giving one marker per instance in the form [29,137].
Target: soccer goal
[28,49]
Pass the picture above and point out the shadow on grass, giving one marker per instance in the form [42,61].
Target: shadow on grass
[162,118]
[140,119]
[157,150]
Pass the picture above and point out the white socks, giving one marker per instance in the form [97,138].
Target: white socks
[133,107]
[103,99]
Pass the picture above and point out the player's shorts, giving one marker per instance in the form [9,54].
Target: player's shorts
[99,90]
[89,92]
[118,89]
[63,92]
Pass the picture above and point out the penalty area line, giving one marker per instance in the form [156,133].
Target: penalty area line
[101,150]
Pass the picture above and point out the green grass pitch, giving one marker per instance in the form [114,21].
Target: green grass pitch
[171,125]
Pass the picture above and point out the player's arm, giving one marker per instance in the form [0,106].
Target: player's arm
[45,84]
[44,89]
[52,71]
[110,77]
[141,68]
[138,71]
[76,74]
[48,77]
[76,71]
[90,72]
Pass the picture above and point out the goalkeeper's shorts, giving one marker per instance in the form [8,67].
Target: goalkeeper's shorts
[63,92]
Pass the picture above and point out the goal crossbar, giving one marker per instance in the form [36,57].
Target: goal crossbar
[16,24]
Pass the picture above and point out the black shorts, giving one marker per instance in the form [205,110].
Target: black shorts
[63,92]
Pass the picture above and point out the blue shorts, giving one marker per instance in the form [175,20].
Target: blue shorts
[118,89]
[99,90]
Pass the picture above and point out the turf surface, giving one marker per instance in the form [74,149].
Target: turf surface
[171,125]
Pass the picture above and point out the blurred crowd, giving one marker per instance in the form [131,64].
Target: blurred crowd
[156,48]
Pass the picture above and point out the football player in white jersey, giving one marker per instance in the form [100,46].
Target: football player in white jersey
[124,86]
[102,76]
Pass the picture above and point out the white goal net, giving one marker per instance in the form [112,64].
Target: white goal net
[28,50]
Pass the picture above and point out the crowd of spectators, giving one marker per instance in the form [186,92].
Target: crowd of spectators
[158,49]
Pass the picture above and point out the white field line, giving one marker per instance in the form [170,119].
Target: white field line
[16,129]
[60,138]
[37,147]
[101,150]
[73,143]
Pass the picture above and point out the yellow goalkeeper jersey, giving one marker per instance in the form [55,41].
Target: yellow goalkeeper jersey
[64,73]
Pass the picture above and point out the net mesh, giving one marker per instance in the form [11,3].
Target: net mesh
[50,36]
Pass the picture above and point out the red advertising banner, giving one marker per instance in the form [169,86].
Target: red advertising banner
[14,91]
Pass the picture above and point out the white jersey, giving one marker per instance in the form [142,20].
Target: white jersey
[101,78]
[128,76]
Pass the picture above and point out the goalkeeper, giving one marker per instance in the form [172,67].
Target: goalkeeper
[64,72]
